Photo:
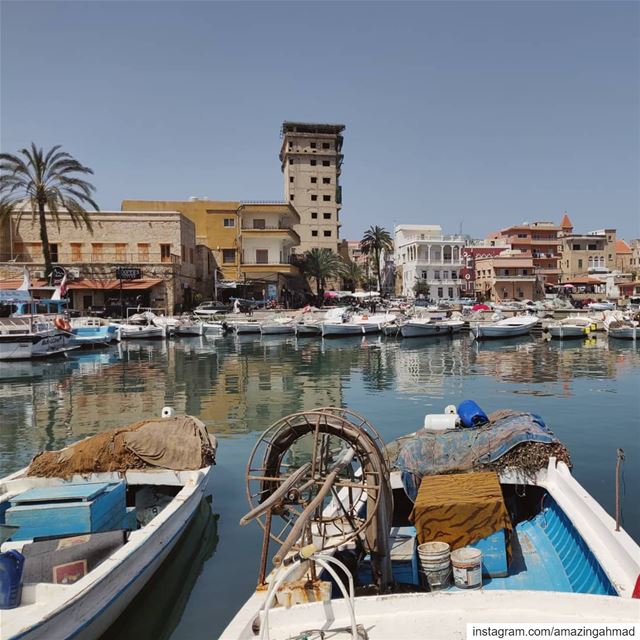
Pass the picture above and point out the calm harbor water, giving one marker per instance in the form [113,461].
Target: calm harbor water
[589,394]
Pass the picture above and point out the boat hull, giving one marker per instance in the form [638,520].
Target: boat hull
[96,607]
[423,329]
[275,329]
[308,330]
[25,347]
[134,332]
[567,331]
[341,329]
[625,333]
[246,327]
[505,331]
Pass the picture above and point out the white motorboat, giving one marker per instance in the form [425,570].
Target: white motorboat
[355,325]
[505,328]
[277,326]
[421,327]
[80,578]
[245,326]
[570,327]
[307,329]
[211,327]
[553,556]
[188,327]
[92,332]
[27,337]
[141,331]
[603,305]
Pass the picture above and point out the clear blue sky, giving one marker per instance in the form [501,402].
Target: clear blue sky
[482,113]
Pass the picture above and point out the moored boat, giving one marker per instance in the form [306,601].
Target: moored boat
[141,332]
[34,337]
[277,326]
[501,491]
[188,327]
[505,328]
[571,327]
[420,327]
[92,332]
[245,326]
[624,327]
[93,553]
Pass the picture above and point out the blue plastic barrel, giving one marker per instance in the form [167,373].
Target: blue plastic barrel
[11,565]
[471,415]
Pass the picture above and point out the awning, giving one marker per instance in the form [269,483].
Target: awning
[110,284]
[585,281]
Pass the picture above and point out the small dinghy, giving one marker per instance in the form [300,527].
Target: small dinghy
[89,525]
[571,327]
[185,326]
[505,328]
[472,518]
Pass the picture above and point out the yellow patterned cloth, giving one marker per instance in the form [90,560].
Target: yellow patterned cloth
[460,509]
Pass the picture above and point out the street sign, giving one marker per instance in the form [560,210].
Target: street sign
[128,273]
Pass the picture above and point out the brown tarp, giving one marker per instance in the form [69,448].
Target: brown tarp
[178,443]
[460,509]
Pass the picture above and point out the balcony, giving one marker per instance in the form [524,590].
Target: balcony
[515,278]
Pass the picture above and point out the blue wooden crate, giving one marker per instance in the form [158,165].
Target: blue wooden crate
[494,554]
[68,509]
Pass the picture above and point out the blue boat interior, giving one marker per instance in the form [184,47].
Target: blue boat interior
[547,552]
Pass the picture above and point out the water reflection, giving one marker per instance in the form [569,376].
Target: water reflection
[245,383]
[156,611]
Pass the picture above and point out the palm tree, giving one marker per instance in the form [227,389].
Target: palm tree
[352,273]
[320,264]
[45,183]
[374,242]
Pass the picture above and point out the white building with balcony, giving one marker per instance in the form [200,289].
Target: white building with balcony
[428,262]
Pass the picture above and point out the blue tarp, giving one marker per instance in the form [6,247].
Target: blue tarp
[461,450]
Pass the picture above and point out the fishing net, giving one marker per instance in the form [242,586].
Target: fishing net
[178,443]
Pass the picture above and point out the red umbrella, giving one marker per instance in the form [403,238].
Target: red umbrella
[480,307]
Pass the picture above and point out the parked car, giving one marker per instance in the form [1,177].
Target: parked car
[211,308]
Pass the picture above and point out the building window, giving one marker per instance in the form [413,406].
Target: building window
[313,162]
[424,275]
[292,197]
[436,275]
[326,216]
[314,198]
[312,145]
[522,235]
[440,293]
[314,215]
[76,252]
[327,233]
[326,180]
[183,253]
[445,275]
[326,145]
[580,264]
[191,256]
[326,198]
[121,250]
[314,179]
[53,248]
[610,256]
[96,251]
[165,252]
[326,163]
[290,178]
[143,252]
[290,160]
[451,293]
[592,247]
[228,256]
[229,222]
[314,232]
[262,256]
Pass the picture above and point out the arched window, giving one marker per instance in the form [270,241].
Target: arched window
[447,253]
[456,253]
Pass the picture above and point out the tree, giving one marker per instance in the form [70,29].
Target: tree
[374,242]
[320,264]
[421,288]
[50,182]
[352,273]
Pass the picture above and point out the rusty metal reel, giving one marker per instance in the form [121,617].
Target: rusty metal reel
[318,440]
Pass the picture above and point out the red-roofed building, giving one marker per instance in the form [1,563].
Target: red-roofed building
[623,256]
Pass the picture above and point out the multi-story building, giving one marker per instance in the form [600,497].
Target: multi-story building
[350,250]
[311,159]
[541,240]
[428,262]
[624,254]
[252,241]
[511,275]
[478,249]
[634,261]
[589,253]
[159,248]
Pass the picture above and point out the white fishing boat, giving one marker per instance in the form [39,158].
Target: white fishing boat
[421,327]
[553,555]
[188,327]
[141,332]
[28,337]
[619,325]
[337,322]
[505,328]
[79,578]
[570,327]
[277,326]
[212,327]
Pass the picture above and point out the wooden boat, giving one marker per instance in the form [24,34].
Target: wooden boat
[29,337]
[618,325]
[505,328]
[83,596]
[568,560]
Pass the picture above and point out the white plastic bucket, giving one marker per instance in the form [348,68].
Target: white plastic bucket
[467,568]
[435,565]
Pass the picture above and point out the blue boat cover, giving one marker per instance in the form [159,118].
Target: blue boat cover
[460,450]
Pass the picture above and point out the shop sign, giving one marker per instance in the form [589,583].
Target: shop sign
[128,273]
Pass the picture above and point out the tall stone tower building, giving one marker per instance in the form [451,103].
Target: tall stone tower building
[311,160]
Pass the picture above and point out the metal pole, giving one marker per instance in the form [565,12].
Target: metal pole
[121,303]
